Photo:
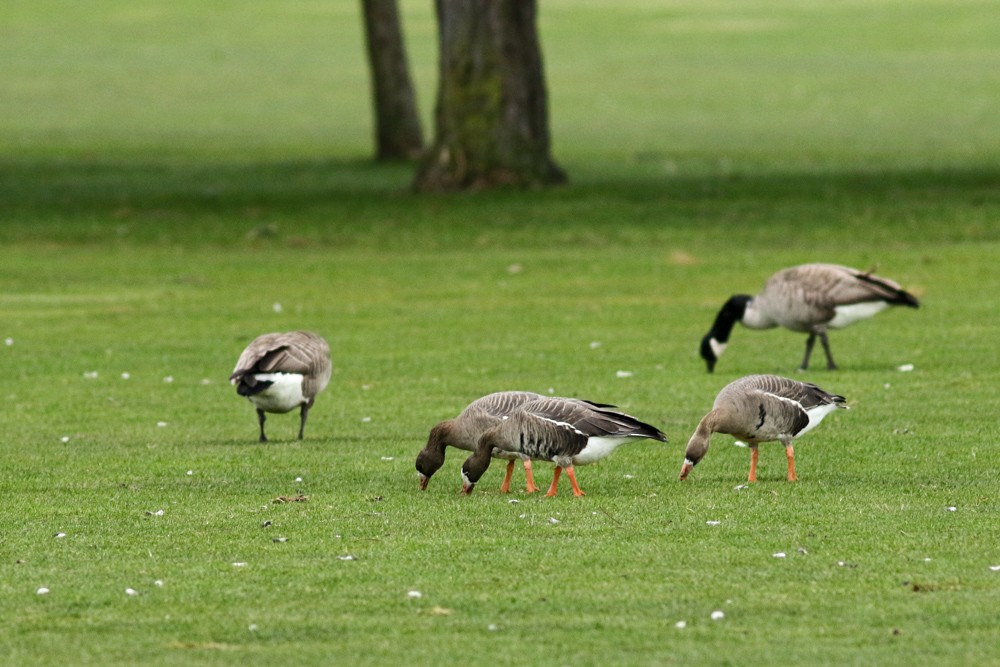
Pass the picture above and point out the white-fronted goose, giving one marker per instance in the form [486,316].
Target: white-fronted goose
[465,430]
[279,372]
[762,408]
[810,298]
[565,431]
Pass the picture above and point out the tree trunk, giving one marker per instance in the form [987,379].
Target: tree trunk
[398,134]
[492,114]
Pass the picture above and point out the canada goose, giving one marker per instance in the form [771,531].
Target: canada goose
[565,431]
[762,408]
[810,298]
[279,372]
[464,432]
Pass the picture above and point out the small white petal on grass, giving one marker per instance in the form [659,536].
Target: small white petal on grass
[624,374]
[779,554]
[90,375]
[60,535]
[8,341]
[905,368]
[713,523]
[492,627]
[252,627]
[126,375]
[158,583]
[277,307]
[280,539]
[739,443]
[952,508]
[64,439]
[131,592]
[594,344]
[168,379]
[514,269]
[927,560]
[366,420]
[802,550]
[414,594]
[156,513]
[717,615]
[554,520]
[240,563]
[206,381]
[388,458]
[740,487]
[42,591]
[346,557]
[680,625]
[513,501]
[298,479]
[161,424]
[522,516]
[190,472]
[629,476]
[995,568]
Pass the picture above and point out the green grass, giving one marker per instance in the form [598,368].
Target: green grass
[169,174]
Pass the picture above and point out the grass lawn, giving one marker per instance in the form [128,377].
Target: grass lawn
[178,178]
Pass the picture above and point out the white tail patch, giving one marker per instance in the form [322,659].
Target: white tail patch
[598,447]
[816,415]
[847,315]
[284,394]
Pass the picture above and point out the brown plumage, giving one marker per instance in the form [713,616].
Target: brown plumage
[465,430]
[566,431]
[279,372]
[810,298]
[762,408]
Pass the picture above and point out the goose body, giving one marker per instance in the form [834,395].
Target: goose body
[811,299]
[279,372]
[565,431]
[465,430]
[762,408]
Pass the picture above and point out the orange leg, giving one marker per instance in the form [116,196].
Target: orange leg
[555,482]
[529,477]
[753,464]
[790,454]
[505,486]
[572,480]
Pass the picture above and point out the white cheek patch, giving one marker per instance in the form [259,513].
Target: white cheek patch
[847,315]
[717,347]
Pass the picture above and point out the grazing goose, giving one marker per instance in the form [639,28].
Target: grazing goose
[762,408]
[279,372]
[810,298]
[565,431]
[464,432]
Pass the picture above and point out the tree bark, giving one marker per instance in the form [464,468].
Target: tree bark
[398,134]
[491,119]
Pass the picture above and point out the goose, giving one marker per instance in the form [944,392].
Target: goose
[566,431]
[762,408]
[279,372]
[809,298]
[464,432]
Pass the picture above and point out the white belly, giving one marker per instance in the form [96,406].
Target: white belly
[847,315]
[284,395]
[599,447]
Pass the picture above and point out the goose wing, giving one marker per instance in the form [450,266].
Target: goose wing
[805,394]
[588,419]
[832,285]
[294,352]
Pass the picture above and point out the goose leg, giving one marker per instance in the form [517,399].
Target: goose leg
[505,486]
[790,454]
[753,463]
[572,480]
[529,477]
[302,419]
[830,366]
[260,420]
[809,350]
[555,482]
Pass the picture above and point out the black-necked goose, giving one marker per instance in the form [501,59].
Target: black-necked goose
[810,298]
[762,408]
[465,430]
[565,431]
[279,372]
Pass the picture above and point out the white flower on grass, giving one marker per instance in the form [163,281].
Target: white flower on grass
[713,523]
[168,379]
[126,375]
[740,487]
[60,535]
[131,592]
[42,591]
[366,420]
[995,568]
[8,341]
[90,375]
[779,554]
[414,594]
[717,615]
[190,472]
[680,625]
[624,374]
[554,520]
[277,307]
[298,479]
[240,563]
[346,557]
[206,381]
[492,627]
[388,458]
[161,424]
[158,583]
[951,509]
[64,439]
[594,344]
[905,368]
